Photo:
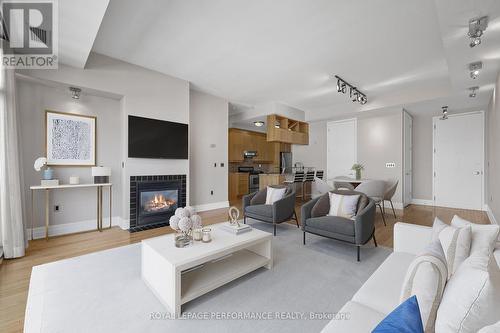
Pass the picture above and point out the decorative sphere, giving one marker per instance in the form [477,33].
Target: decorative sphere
[174,222]
[190,210]
[180,213]
[185,224]
[196,219]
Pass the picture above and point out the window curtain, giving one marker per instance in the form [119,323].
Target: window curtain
[12,235]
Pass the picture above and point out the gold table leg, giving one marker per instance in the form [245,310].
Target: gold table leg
[47,214]
[110,204]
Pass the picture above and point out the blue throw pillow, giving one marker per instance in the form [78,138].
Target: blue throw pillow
[403,319]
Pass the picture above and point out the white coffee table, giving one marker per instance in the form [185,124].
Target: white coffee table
[179,275]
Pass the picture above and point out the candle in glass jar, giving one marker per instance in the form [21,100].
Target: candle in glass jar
[197,234]
[206,235]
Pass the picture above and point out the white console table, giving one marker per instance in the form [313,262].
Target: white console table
[47,190]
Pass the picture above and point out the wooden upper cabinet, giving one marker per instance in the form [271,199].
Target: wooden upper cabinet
[286,130]
[241,140]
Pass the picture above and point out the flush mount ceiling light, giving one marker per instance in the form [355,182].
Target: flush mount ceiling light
[354,93]
[473,91]
[445,112]
[475,68]
[477,26]
[258,123]
[75,92]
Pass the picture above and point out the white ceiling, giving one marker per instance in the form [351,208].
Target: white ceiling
[398,52]
[79,22]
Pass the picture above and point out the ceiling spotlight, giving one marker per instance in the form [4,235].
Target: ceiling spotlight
[445,112]
[477,26]
[258,123]
[473,91]
[277,124]
[75,92]
[354,94]
[475,68]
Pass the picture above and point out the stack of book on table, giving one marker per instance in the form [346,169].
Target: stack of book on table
[235,229]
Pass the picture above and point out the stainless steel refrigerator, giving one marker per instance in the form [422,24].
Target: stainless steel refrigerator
[285,162]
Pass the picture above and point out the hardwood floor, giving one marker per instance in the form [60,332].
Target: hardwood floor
[15,273]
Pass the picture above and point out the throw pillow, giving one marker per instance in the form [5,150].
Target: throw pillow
[403,319]
[274,194]
[455,242]
[322,206]
[343,205]
[426,278]
[484,236]
[470,300]
[495,328]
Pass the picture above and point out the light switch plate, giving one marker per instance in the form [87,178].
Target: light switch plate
[390,165]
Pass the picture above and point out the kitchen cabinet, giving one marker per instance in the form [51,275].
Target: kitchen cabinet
[238,185]
[286,130]
[242,140]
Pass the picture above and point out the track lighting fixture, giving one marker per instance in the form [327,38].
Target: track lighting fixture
[477,26]
[354,93]
[75,92]
[445,112]
[475,68]
[473,91]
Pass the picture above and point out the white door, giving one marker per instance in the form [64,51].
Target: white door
[458,161]
[408,151]
[341,147]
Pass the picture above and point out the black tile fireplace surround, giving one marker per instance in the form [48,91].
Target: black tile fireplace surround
[153,200]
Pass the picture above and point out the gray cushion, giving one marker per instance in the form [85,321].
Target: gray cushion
[322,206]
[260,210]
[259,198]
[334,224]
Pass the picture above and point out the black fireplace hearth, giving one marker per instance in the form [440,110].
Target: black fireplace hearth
[154,199]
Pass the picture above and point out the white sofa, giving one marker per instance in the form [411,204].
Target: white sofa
[380,293]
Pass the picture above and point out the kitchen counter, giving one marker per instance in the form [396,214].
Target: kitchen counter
[266,179]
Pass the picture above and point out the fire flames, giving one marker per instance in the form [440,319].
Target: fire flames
[158,203]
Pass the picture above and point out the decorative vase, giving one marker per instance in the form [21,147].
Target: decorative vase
[48,174]
[182,239]
[358,174]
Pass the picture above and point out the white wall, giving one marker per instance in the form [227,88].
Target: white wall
[313,155]
[493,153]
[145,93]
[208,147]
[79,204]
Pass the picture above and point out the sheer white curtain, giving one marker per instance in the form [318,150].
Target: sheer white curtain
[11,214]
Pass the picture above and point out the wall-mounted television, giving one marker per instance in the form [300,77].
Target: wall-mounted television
[152,138]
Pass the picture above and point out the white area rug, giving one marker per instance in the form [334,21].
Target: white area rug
[103,291]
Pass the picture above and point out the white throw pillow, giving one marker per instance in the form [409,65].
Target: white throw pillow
[456,243]
[426,278]
[484,236]
[472,296]
[343,205]
[495,328]
[274,194]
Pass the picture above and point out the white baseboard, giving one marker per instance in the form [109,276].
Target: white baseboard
[491,216]
[422,202]
[69,228]
[211,206]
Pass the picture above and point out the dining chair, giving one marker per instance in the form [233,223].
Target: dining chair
[375,190]
[389,193]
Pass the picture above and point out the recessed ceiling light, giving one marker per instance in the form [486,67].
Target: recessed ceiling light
[258,123]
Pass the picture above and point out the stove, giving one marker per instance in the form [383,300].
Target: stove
[253,177]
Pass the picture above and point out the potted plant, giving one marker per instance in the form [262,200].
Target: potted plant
[357,168]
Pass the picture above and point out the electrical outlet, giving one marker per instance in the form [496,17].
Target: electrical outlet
[57,208]
[390,165]
[211,192]
[222,165]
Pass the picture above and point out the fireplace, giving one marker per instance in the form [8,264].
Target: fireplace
[154,199]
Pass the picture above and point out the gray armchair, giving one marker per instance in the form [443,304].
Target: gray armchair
[314,220]
[281,211]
